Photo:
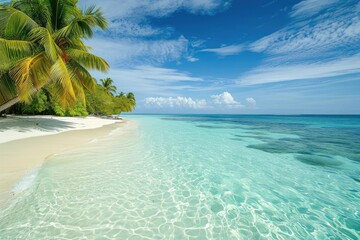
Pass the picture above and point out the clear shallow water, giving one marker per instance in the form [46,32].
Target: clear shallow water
[200,177]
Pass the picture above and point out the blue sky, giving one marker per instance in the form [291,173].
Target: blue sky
[239,56]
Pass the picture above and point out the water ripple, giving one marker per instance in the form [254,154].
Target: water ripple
[176,180]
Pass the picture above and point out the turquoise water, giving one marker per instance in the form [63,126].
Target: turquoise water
[199,177]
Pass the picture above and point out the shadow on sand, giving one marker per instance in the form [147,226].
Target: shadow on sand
[26,124]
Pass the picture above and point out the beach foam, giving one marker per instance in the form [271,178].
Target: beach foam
[25,182]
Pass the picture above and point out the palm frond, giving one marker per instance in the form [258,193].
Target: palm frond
[40,70]
[13,49]
[107,83]
[7,88]
[82,24]
[5,62]
[112,89]
[95,17]
[87,81]
[77,43]
[60,75]
[43,36]
[21,74]
[77,84]
[36,9]
[30,74]
[14,23]
[61,12]
[76,28]
[88,60]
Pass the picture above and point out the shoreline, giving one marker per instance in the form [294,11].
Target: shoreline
[23,155]
[15,127]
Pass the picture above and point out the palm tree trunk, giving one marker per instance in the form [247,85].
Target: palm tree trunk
[13,101]
[9,103]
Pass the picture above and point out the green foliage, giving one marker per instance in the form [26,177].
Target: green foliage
[103,103]
[41,41]
[107,83]
[57,108]
[125,104]
[77,110]
[38,105]
[99,102]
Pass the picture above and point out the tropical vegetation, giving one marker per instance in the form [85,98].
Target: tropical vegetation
[44,61]
[108,84]
[98,102]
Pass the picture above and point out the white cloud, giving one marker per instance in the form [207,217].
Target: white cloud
[308,8]
[155,8]
[192,59]
[268,74]
[221,102]
[225,50]
[150,73]
[197,43]
[130,52]
[327,33]
[130,28]
[146,80]
[226,99]
[311,40]
[319,44]
[126,41]
[251,102]
[175,102]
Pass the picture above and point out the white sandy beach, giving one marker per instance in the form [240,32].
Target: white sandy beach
[19,127]
[25,142]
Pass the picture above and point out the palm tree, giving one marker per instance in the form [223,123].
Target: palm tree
[126,102]
[131,99]
[41,44]
[107,83]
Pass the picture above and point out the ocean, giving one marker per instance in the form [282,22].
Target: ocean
[198,177]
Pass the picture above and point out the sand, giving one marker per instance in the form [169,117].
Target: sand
[25,142]
[19,127]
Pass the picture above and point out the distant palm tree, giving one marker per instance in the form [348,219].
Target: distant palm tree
[126,102]
[107,83]
[131,97]
[41,43]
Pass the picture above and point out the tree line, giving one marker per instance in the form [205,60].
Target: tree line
[104,100]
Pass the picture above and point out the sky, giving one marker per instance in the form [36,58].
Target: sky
[233,56]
